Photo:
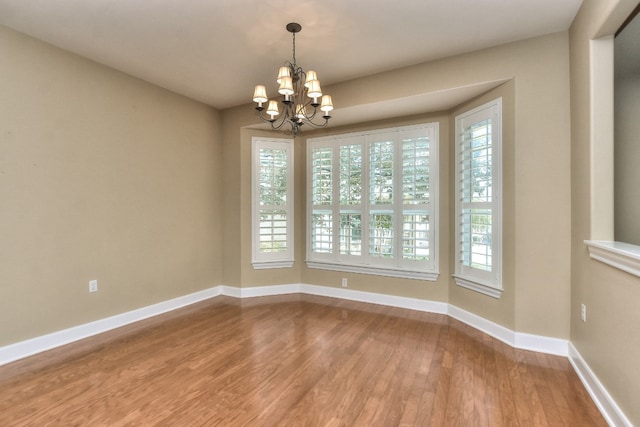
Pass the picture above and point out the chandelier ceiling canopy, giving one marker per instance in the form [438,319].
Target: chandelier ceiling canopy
[301,96]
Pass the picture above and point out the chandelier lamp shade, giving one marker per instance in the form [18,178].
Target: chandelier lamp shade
[301,97]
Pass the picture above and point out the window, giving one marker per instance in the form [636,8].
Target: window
[373,202]
[272,203]
[478,199]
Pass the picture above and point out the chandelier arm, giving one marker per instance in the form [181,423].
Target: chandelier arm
[280,122]
[277,124]
[267,119]
[318,125]
[288,117]
[309,117]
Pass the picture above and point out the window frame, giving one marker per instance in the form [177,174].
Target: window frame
[601,243]
[365,262]
[485,282]
[285,259]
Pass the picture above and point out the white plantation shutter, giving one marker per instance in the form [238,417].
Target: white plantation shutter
[272,203]
[478,199]
[350,188]
[373,202]
[417,197]
[382,193]
[322,189]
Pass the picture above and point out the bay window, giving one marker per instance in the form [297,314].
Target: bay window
[373,202]
[478,209]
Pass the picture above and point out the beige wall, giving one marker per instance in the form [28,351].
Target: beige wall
[537,277]
[105,177]
[154,152]
[609,340]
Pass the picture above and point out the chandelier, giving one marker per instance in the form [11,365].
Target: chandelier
[301,92]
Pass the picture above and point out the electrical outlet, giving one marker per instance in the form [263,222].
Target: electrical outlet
[344,282]
[93,286]
[583,312]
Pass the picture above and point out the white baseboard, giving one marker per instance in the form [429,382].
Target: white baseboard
[346,294]
[603,400]
[500,332]
[373,298]
[42,343]
[36,345]
[542,344]
[519,340]
[259,291]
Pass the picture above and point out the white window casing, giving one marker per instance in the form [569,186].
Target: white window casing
[372,204]
[478,199]
[272,203]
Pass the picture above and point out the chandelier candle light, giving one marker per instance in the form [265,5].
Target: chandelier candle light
[301,92]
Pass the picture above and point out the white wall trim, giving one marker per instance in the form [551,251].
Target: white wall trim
[519,340]
[549,345]
[542,344]
[524,341]
[601,397]
[19,350]
[231,291]
[478,286]
[259,291]
[374,298]
[430,276]
[623,256]
[263,265]
[488,327]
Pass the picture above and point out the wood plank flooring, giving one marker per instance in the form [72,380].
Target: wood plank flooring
[294,360]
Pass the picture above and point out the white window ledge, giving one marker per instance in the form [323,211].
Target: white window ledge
[477,286]
[376,271]
[623,256]
[262,265]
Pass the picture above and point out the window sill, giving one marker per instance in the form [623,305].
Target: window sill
[623,256]
[376,271]
[263,265]
[478,287]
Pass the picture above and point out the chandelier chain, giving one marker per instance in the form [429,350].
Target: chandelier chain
[294,49]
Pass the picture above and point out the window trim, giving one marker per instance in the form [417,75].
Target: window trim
[279,260]
[336,262]
[376,271]
[476,280]
[620,255]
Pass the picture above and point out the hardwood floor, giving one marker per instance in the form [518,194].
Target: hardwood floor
[293,360]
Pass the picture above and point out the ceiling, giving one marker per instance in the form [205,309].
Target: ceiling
[215,51]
